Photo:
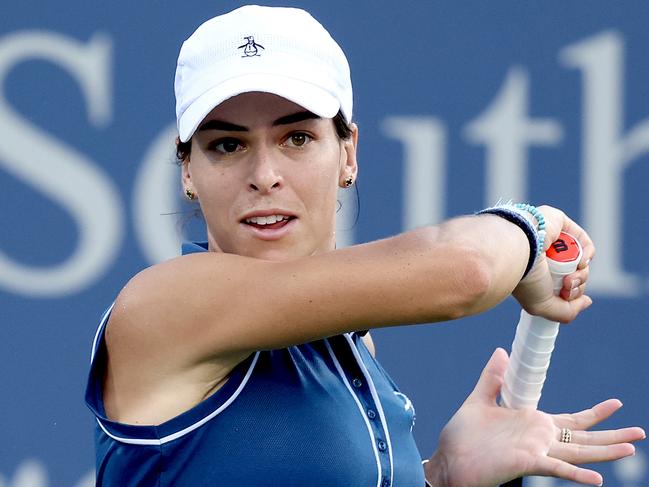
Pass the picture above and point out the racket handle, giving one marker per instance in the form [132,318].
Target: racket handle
[535,336]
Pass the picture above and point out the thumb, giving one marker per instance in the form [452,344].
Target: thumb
[491,379]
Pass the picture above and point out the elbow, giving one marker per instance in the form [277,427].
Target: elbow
[475,283]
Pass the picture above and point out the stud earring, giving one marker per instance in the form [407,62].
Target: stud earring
[190,194]
[348,182]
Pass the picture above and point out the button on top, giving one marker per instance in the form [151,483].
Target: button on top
[382,445]
[371,413]
[357,382]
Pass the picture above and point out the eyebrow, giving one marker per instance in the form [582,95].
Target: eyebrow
[232,127]
[295,117]
[222,125]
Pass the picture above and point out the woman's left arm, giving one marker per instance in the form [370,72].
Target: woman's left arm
[485,445]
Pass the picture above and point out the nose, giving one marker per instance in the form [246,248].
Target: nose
[264,173]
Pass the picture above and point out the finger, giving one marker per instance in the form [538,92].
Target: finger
[573,293]
[576,279]
[578,454]
[608,437]
[572,308]
[588,252]
[491,379]
[584,265]
[587,245]
[587,418]
[562,310]
[553,467]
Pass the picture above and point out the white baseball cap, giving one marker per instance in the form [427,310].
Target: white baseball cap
[278,50]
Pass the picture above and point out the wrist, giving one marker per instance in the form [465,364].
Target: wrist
[530,220]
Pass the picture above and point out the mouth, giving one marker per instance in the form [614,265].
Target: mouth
[270,226]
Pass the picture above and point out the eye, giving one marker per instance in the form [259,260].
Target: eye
[228,145]
[298,139]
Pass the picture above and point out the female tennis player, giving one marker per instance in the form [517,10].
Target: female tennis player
[246,361]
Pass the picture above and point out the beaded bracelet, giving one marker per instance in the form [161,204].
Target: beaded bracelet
[540,220]
[514,213]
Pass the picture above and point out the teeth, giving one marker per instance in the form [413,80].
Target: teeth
[266,220]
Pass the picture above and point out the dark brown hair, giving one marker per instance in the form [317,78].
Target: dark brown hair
[343,130]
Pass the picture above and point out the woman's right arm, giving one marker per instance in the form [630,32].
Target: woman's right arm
[214,304]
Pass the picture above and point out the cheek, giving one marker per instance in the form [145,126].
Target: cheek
[325,171]
[319,190]
[215,197]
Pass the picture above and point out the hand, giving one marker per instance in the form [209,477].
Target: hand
[535,293]
[484,445]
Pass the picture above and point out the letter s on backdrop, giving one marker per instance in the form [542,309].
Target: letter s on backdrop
[58,171]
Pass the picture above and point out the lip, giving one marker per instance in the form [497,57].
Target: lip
[272,211]
[269,234]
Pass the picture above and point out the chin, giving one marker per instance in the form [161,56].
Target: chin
[277,254]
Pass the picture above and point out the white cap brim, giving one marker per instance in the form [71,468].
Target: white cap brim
[307,95]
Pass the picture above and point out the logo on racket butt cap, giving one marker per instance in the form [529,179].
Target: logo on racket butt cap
[564,254]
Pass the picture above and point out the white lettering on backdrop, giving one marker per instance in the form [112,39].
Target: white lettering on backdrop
[506,129]
[424,167]
[155,196]
[59,172]
[606,155]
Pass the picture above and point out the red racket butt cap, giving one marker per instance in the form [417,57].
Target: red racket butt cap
[565,249]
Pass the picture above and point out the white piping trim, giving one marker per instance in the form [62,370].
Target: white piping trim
[189,429]
[360,408]
[102,322]
[375,395]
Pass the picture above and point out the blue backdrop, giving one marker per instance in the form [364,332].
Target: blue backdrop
[458,102]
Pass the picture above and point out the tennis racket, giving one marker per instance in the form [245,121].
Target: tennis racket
[535,336]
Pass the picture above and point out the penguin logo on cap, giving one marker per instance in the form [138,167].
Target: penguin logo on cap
[250,48]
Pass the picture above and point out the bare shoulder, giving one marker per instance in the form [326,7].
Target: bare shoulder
[153,372]
[159,308]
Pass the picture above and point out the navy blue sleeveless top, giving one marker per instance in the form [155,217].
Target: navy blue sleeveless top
[321,413]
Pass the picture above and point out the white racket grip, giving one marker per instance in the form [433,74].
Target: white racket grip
[532,348]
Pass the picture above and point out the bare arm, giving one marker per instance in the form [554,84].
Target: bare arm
[207,305]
